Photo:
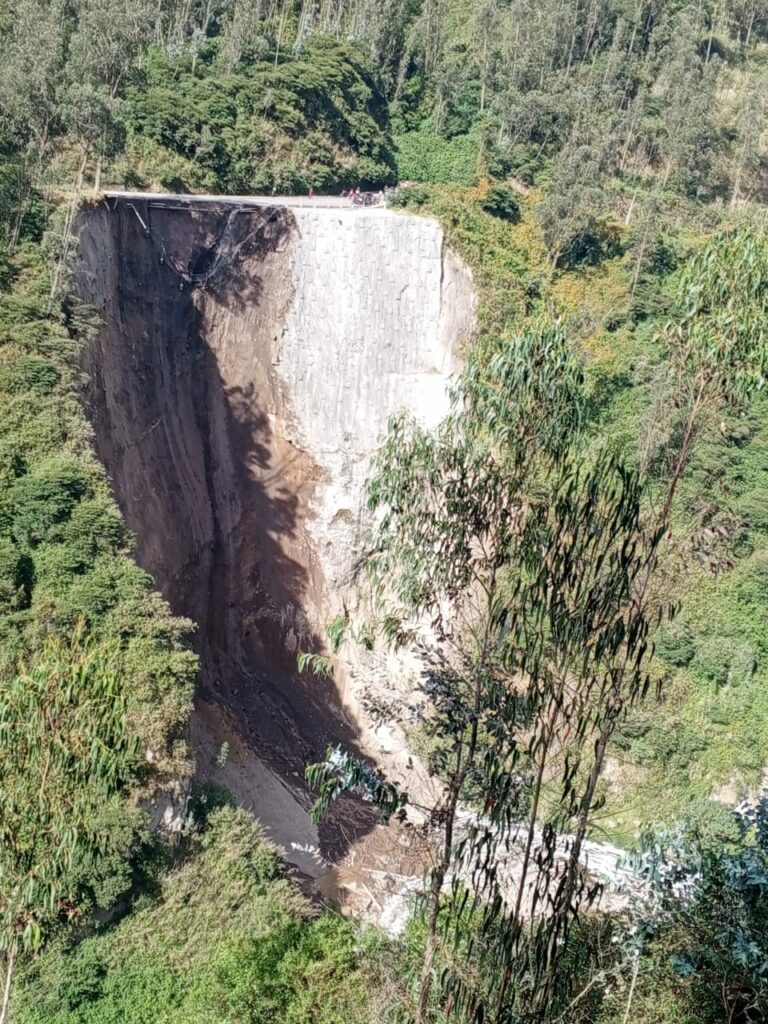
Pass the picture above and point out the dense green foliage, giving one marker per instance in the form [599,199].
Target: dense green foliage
[55,833]
[317,120]
[155,101]
[65,555]
[222,937]
[580,156]
[578,92]
[95,674]
[251,95]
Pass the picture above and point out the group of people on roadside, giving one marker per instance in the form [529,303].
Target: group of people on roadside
[357,197]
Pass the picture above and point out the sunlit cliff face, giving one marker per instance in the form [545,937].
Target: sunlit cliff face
[247,365]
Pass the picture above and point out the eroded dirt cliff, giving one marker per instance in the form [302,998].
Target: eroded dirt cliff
[249,358]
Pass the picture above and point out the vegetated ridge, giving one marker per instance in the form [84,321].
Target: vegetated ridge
[578,157]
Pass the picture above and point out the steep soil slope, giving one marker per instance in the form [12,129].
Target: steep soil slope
[249,358]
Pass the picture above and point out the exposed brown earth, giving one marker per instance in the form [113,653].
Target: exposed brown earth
[246,503]
[184,412]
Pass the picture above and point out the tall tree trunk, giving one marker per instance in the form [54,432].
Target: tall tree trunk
[198,42]
[549,735]
[715,14]
[634,32]
[69,221]
[280,30]
[635,613]
[484,74]
[629,140]
[436,887]
[21,211]
[751,24]
[739,172]
[631,995]
[463,764]
[631,209]
[10,962]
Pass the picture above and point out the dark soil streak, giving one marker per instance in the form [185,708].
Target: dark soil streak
[182,399]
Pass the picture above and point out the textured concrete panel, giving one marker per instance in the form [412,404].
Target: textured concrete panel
[380,308]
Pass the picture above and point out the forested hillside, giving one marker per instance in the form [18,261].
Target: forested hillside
[602,167]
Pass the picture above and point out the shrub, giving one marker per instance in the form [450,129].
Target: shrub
[722,661]
[46,497]
[753,588]
[413,197]
[16,578]
[704,904]
[426,155]
[524,161]
[500,201]
[675,644]
[30,373]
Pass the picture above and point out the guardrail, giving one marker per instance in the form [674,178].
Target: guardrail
[365,200]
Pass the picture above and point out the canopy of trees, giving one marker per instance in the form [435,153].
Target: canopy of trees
[602,167]
[286,94]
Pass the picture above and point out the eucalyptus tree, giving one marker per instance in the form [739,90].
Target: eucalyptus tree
[66,751]
[32,53]
[453,509]
[717,350]
[108,41]
[442,551]
[587,608]
[687,86]
[243,33]
[750,148]
[506,565]
[521,569]
[32,50]
[104,49]
[570,214]
[747,19]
